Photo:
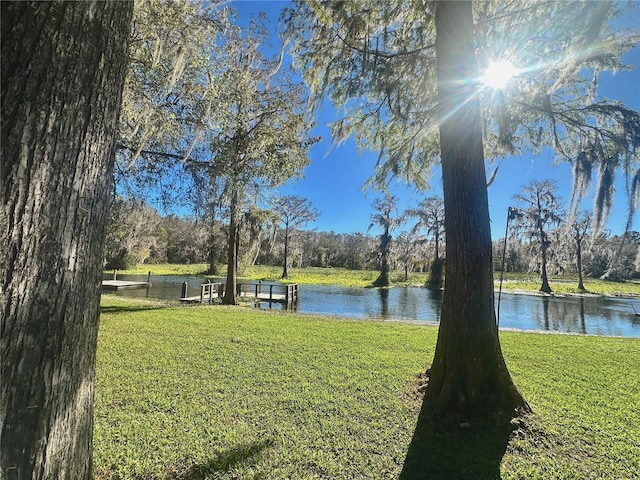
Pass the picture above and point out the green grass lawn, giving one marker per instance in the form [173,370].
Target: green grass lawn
[239,393]
[165,269]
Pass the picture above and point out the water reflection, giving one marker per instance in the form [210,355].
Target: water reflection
[384,302]
[435,296]
[587,315]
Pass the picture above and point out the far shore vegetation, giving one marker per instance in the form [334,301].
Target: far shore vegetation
[527,282]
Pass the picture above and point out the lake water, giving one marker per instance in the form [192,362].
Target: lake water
[585,315]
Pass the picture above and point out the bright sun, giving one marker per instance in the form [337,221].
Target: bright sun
[498,73]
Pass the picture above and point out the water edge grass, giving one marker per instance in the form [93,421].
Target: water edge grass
[233,392]
[365,278]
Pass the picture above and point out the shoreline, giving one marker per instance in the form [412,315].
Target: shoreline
[507,285]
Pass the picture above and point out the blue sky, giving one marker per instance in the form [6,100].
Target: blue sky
[334,179]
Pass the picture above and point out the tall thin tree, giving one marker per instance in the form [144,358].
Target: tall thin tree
[293,212]
[539,209]
[387,219]
[430,215]
[580,230]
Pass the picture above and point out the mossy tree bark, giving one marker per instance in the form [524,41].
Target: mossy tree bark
[63,69]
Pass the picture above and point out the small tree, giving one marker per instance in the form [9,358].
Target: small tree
[387,221]
[539,209]
[293,212]
[580,229]
[406,251]
[430,214]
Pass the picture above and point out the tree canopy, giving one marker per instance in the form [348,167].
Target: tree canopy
[210,113]
[293,212]
[376,61]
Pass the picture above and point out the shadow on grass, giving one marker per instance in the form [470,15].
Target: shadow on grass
[223,462]
[447,449]
[115,310]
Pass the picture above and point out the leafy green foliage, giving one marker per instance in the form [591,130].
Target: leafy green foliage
[376,61]
[170,97]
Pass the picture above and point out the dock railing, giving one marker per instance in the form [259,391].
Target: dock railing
[280,293]
[283,293]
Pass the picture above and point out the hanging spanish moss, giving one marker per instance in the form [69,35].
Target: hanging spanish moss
[582,168]
[604,194]
[634,198]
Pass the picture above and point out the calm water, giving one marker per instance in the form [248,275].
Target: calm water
[593,316]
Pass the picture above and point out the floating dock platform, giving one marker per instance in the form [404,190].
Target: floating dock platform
[123,284]
[116,284]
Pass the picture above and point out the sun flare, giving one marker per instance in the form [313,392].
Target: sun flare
[498,73]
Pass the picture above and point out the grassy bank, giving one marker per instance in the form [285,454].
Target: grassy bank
[216,392]
[364,278]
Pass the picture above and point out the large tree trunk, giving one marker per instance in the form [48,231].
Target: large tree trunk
[468,375]
[63,68]
[230,296]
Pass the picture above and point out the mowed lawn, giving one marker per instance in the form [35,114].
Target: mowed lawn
[238,393]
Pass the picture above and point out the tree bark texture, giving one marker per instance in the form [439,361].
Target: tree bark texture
[230,296]
[468,374]
[63,69]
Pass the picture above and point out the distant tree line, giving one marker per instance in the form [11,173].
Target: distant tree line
[522,256]
[138,233]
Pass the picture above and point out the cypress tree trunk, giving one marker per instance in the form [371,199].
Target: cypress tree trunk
[230,296]
[63,68]
[285,270]
[468,375]
[579,262]
[544,245]
[385,246]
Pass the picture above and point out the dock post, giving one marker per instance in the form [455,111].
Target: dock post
[185,286]
[115,273]
[149,278]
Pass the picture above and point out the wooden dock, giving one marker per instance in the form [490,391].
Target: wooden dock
[123,285]
[280,293]
[116,284]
